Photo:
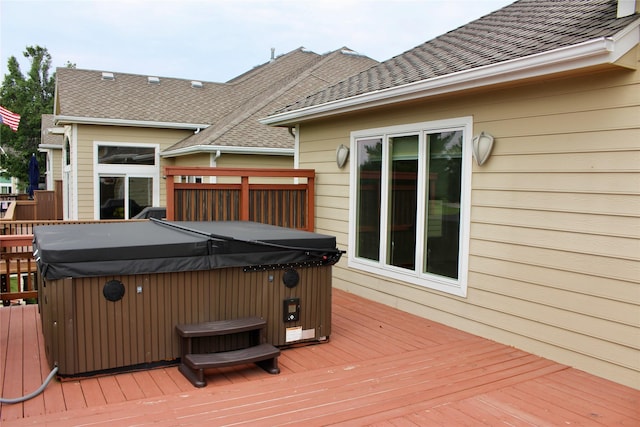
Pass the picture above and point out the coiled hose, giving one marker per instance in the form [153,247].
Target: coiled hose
[34,393]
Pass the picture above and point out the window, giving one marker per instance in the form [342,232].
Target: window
[127,179]
[410,203]
[126,155]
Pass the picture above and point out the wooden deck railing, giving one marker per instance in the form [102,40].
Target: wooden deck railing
[269,196]
[17,264]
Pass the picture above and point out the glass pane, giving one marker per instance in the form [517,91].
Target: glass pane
[112,197]
[443,210]
[403,192]
[140,195]
[369,152]
[126,155]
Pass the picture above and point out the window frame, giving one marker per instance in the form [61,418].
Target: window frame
[126,171]
[381,268]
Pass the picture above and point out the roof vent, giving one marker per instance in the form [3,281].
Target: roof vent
[108,76]
[153,80]
[196,84]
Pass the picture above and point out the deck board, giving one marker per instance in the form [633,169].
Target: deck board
[381,367]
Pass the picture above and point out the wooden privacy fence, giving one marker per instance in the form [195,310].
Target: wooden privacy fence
[268,196]
[46,205]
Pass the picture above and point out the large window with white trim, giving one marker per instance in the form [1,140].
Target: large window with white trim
[127,179]
[409,210]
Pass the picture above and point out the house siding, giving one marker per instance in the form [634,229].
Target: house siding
[87,134]
[555,217]
[254,161]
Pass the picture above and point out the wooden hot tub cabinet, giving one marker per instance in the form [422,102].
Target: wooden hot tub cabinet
[86,330]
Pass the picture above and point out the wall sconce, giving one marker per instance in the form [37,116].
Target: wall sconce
[342,154]
[482,145]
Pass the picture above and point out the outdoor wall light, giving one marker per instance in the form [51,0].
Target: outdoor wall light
[342,154]
[482,145]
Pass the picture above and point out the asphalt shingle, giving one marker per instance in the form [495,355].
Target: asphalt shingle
[231,109]
[521,29]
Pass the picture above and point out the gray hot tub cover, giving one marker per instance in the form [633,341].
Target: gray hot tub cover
[119,248]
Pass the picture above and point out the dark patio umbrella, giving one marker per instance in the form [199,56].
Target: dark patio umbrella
[34,174]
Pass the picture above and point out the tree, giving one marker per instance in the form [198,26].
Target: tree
[31,96]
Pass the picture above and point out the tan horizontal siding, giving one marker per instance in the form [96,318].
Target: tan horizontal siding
[200,159]
[575,283]
[555,217]
[574,222]
[623,248]
[88,134]
[254,161]
[606,183]
[608,205]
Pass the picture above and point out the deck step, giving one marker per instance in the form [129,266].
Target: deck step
[221,327]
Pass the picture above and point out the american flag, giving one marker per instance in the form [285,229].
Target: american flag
[10,119]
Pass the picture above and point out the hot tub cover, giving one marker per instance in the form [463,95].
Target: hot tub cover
[103,249]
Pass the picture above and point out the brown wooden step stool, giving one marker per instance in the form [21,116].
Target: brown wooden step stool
[192,365]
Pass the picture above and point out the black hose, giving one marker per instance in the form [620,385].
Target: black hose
[34,393]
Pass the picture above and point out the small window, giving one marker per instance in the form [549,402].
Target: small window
[126,155]
[67,152]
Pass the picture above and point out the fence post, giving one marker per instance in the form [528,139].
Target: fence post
[170,196]
[244,199]
[311,203]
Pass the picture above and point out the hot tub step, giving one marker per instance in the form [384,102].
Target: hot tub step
[221,327]
[264,355]
[193,364]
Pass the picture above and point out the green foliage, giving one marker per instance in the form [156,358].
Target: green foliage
[31,96]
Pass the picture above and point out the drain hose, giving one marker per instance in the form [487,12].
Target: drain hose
[33,394]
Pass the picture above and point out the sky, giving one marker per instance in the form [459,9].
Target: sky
[217,40]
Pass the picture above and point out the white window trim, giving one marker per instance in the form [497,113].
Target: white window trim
[452,286]
[130,171]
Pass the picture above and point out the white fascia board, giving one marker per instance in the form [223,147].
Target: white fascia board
[49,147]
[604,50]
[132,123]
[227,150]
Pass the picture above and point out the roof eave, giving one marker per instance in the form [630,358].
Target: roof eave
[61,119]
[600,51]
[49,147]
[222,149]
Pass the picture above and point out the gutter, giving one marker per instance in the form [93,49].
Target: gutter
[218,150]
[600,51]
[58,120]
[50,146]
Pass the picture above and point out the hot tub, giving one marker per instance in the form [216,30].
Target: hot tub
[110,294]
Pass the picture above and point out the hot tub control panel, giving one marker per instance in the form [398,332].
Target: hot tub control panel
[291,310]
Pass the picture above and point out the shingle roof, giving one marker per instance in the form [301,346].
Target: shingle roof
[84,93]
[47,138]
[275,85]
[232,109]
[524,28]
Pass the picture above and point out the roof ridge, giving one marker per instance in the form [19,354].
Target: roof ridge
[261,67]
[259,101]
[214,132]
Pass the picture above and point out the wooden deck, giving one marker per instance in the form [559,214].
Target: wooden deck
[381,367]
